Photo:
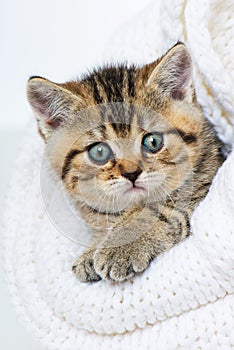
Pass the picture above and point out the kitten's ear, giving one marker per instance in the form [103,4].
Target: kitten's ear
[51,103]
[172,76]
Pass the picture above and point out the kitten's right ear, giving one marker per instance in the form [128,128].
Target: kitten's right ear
[51,103]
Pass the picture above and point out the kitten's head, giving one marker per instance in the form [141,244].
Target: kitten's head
[122,136]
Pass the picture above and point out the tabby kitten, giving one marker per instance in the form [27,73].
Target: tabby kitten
[134,152]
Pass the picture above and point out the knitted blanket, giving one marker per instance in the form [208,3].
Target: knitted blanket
[184,300]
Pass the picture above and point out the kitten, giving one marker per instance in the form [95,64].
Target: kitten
[134,152]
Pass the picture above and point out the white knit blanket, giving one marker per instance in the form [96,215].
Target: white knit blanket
[184,300]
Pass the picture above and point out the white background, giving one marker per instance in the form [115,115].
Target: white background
[58,40]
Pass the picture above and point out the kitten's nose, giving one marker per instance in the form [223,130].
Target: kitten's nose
[130,171]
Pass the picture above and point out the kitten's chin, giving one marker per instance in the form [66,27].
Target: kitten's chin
[127,199]
[135,193]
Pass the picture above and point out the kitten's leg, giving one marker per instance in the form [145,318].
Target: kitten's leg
[122,262]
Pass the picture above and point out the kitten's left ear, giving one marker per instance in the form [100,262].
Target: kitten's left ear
[172,76]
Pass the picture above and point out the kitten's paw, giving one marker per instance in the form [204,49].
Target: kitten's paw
[83,267]
[120,263]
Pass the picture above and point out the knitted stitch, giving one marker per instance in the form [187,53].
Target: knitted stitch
[184,300]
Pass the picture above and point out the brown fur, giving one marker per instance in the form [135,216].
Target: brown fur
[118,106]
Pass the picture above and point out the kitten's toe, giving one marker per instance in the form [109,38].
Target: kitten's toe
[83,268]
[121,271]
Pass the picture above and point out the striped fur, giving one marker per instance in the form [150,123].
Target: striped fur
[119,105]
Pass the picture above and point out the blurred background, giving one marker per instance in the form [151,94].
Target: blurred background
[58,40]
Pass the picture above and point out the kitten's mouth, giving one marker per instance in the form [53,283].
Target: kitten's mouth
[135,189]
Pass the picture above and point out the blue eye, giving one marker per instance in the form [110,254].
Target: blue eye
[152,142]
[100,153]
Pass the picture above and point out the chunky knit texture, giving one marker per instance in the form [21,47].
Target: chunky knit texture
[184,300]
